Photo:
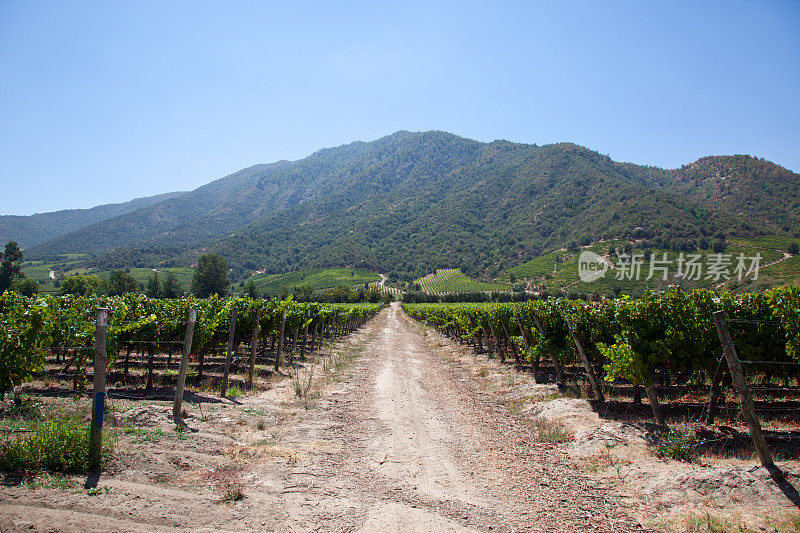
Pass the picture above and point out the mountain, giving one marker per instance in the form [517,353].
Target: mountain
[413,202]
[35,229]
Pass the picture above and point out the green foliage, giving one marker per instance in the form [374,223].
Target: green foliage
[210,276]
[25,335]
[26,287]
[10,265]
[672,330]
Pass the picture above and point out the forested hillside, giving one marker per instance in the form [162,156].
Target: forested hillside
[414,202]
[35,229]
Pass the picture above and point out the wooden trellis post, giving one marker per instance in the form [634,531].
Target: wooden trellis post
[99,401]
[586,363]
[229,354]
[279,352]
[253,347]
[745,396]
[187,350]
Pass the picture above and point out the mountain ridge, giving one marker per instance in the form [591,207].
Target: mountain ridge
[415,201]
[30,230]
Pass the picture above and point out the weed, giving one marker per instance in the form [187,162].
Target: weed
[50,481]
[552,431]
[302,384]
[233,392]
[233,495]
[679,443]
[260,424]
[55,445]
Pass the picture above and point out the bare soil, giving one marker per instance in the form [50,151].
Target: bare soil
[401,430]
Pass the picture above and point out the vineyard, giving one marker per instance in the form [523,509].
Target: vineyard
[665,343]
[450,280]
[53,338]
[317,279]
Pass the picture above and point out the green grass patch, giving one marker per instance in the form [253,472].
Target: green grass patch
[144,435]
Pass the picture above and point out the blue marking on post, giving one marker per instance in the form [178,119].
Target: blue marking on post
[99,408]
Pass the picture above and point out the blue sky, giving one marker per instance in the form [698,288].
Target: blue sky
[106,101]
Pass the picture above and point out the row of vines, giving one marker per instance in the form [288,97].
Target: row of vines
[36,329]
[665,337]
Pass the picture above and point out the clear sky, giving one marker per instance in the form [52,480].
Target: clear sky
[107,101]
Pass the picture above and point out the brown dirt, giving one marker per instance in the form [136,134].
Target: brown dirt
[410,436]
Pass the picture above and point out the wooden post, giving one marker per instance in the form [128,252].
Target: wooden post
[586,363]
[253,346]
[279,352]
[229,354]
[151,353]
[295,334]
[500,351]
[187,350]
[556,363]
[745,396]
[305,337]
[513,345]
[523,333]
[99,403]
[652,397]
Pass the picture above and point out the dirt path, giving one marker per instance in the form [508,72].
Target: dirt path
[406,440]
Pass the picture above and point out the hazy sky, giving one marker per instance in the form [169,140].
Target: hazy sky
[106,101]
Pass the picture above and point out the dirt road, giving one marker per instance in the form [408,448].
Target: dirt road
[406,440]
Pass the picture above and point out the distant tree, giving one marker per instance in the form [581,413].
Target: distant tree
[793,248]
[153,287]
[120,282]
[172,287]
[250,290]
[26,287]
[10,266]
[83,285]
[302,293]
[572,245]
[210,276]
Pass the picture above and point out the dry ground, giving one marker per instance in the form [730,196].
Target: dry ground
[403,431]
